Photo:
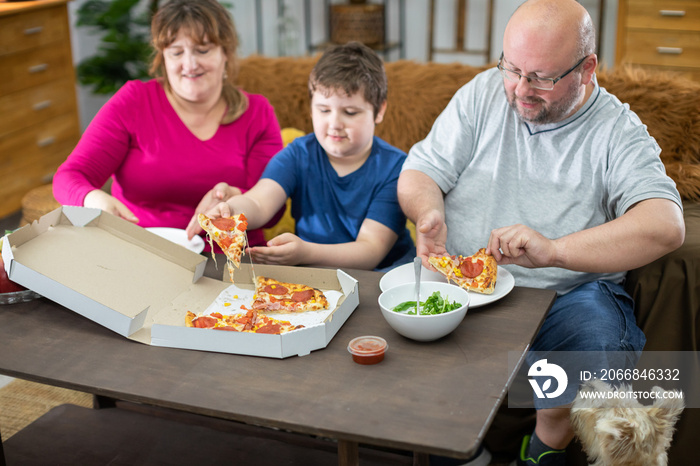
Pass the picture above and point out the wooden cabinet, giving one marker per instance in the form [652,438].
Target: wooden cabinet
[39,123]
[660,34]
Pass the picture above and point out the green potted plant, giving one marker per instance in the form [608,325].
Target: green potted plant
[124,52]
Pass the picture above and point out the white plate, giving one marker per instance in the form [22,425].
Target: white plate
[405,274]
[179,236]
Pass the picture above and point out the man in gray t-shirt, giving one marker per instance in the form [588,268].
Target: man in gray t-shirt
[557,178]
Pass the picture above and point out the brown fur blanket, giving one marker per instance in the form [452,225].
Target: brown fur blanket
[418,92]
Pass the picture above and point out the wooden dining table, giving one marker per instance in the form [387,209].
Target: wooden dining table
[434,398]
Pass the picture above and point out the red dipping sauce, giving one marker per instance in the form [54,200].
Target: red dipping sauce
[368,349]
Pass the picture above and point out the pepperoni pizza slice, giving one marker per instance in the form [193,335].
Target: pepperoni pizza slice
[275,296]
[477,272]
[249,321]
[229,234]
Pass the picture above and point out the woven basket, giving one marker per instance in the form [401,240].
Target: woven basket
[361,22]
[38,202]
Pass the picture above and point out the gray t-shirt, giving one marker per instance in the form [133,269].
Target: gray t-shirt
[560,178]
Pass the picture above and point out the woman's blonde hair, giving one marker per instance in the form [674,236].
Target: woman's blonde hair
[204,20]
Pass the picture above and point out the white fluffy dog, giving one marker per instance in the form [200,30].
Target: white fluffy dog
[620,431]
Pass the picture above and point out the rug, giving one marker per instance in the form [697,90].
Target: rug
[22,402]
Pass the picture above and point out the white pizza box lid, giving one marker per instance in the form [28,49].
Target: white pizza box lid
[140,285]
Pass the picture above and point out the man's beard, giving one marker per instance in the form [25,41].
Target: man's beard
[548,113]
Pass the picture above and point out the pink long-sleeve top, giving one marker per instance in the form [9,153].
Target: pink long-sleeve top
[161,170]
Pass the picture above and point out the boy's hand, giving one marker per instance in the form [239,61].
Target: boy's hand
[222,209]
[285,249]
[108,203]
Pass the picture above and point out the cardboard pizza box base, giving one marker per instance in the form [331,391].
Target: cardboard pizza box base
[140,285]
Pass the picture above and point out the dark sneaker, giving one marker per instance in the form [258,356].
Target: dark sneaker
[482,457]
[548,458]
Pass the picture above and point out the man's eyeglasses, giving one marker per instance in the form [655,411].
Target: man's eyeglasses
[544,84]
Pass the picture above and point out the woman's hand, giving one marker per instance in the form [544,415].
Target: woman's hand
[222,209]
[211,206]
[222,192]
[108,203]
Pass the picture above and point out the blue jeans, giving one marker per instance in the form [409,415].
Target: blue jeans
[596,317]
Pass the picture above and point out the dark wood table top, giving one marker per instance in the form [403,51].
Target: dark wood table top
[437,397]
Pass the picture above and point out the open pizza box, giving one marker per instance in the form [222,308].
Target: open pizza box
[141,286]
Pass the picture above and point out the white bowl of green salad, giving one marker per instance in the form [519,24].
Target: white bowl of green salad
[443,307]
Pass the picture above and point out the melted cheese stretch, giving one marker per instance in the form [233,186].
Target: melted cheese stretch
[211,248]
[229,262]
[233,248]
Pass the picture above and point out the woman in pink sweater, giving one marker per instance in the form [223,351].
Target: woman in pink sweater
[189,135]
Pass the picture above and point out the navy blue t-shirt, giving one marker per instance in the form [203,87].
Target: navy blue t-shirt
[329,209]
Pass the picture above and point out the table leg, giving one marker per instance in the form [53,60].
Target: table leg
[348,454]
[2,453]
[421,459]
[101,402]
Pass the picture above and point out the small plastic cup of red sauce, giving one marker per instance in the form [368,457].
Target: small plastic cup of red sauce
[367,349]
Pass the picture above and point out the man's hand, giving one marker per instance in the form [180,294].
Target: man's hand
[285,249]
[422,201]
[521,245]
[108,203]
[431,235]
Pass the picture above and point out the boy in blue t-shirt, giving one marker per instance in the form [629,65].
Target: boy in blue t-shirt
[341,179]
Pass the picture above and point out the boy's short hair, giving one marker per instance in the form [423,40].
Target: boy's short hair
[351,67]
